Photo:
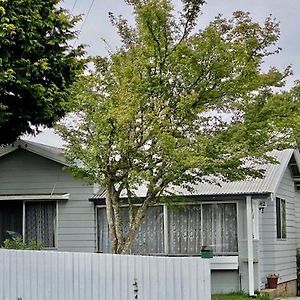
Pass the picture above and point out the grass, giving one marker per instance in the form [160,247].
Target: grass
[237,296]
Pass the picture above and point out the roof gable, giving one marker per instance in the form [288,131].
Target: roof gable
[49,152]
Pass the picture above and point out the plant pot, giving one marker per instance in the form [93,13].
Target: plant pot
[272,282]
[207,252]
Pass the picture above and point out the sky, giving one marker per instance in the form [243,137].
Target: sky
[95,27]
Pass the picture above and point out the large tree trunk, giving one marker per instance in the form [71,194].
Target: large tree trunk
[114,219]
[110,218]
[119,243]
[133,227]
[118,225]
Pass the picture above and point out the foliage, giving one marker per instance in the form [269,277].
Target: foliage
[16,242]
[173,107]
[37,65]
[237,296]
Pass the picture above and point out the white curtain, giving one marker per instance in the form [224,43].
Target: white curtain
[220,227]
[149,239]
[187,232]
[184,229]
[103,233]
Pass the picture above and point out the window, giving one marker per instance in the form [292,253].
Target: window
[149,238]
[219,227]
[40,220]
[182,231]
[281,218]
[38,223]
[10,219]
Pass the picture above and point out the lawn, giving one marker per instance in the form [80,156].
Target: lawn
[236,296]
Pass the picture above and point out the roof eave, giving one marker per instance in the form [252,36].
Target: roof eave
[219,197]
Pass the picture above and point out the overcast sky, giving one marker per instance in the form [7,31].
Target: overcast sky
[97,27]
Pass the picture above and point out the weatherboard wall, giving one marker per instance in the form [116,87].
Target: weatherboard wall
[297,221]
[22,172]
[279,255]
[285,257]
[267,232]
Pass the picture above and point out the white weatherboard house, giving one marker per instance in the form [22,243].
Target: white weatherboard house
[253,226]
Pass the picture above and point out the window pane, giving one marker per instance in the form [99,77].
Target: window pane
[283,219]
[220,227]
[149,238]
[185,229]
[10,219]
[103,233]
[278,218]
[40,222]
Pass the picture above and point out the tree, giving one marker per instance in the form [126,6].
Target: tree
[37,65]
[172,107]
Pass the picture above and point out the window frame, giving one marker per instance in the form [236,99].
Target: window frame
[166,221]
[126,205]
[55,222]
[281,222]
[12,210]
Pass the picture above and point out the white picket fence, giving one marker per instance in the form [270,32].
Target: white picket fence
[51,275]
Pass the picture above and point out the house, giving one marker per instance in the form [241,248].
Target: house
[253,226]
[40,200]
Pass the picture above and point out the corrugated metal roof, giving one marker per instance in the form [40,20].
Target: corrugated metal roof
[99,195]
[268,184]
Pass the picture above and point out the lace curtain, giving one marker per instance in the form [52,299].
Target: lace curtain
[187,232]
[149,238]
[184,229]
[220,227]
[40,222]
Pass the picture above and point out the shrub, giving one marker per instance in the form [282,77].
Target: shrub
[16,242]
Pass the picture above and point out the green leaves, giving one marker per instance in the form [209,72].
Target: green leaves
[171,106]
[37,65]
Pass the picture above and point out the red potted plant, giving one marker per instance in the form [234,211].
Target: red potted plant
[272,281]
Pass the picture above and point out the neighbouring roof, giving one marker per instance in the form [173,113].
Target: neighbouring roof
[254,186]
[52,153]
